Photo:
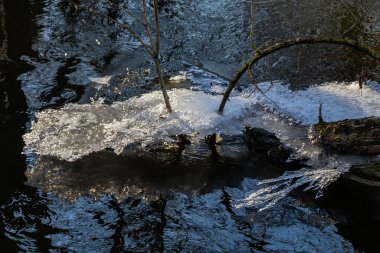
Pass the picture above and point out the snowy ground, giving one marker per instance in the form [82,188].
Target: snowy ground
[340,101]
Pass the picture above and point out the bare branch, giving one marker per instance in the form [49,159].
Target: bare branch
[147,28]
[127,11]
[153,51]
[290,43]
[122,25]
[250,74]
[157,26]
[252,26]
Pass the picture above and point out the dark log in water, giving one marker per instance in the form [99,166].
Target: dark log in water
[355,136]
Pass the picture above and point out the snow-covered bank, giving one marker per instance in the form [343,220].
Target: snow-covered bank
[340,101]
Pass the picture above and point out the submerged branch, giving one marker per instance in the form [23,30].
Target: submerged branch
[290,43]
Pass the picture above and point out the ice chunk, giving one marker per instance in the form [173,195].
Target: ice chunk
[266,193]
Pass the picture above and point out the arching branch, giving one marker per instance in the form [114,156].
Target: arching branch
[290,43]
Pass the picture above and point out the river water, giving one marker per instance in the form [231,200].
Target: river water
[51,55]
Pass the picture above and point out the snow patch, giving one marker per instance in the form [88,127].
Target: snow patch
[340,101]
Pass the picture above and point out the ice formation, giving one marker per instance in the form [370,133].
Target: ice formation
[266,193]
[77,130]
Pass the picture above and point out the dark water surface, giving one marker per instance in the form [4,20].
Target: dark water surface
[17,33]
[106,203]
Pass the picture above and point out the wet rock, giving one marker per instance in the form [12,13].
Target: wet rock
[263,143]
[187,164]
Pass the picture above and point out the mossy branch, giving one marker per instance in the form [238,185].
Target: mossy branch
[290,43]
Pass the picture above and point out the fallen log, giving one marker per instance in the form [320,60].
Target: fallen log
[354,136]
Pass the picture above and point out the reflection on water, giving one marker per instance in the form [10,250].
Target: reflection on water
[196,171]
[120,203]
[106,173]
[42,222]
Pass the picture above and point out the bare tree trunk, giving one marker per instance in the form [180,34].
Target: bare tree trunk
[152,49]
[162,84]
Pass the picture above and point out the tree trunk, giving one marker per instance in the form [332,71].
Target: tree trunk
[355,136]
[162,85]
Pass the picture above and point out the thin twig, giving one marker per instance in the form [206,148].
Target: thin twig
[270,75]
[298,61]
[157,26]
[252,26]
[353,26]
[122,25]
[147,28]
[127,11]
[349,10]
[250,74]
